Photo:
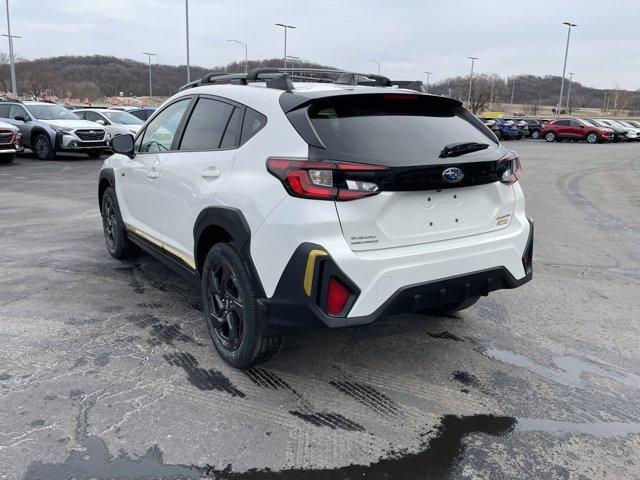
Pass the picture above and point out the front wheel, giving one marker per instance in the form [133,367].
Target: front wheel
[115,235]
[550,137]
[592,138]
[7,157]
[535,134]
[232,311]
[42,148]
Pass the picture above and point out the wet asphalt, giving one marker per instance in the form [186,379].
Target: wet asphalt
[107,371]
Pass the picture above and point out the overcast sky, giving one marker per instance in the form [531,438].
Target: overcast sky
[407,37]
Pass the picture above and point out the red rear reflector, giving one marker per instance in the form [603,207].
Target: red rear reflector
[337,296]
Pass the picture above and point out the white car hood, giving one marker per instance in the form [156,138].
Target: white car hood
[84,124]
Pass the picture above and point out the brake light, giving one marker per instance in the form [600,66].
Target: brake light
[325,180]
[337,296]
[512,168]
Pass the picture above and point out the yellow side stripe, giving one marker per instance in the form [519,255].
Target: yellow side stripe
[185,258]
[308,273]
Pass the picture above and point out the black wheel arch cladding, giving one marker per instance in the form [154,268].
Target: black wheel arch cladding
[106,179]
[232,221]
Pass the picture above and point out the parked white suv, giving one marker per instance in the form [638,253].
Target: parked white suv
[317,204]
[115,122]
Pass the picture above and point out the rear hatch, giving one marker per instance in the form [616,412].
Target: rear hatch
[426,194]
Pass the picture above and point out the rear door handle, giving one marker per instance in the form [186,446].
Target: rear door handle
[210,172]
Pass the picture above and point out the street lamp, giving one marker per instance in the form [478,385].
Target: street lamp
[293,59]
[571,74]
[285,27]
[564,68]
[186,16]
[149,55]
[428,76]
[473,59]
[246,58]
[14,88]
[377,63]
[615,98]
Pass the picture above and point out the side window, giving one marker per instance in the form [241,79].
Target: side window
[206,125]
[17,111]
[82,115]
[159,134]
[4,111]
[92,116]
[562,123]
[232,133]
[253,123]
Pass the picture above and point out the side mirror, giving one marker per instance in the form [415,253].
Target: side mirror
[21,118]
[123,144]
[101,122]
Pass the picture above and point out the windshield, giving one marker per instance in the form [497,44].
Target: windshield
[51,112]
[392,129]
[123,118]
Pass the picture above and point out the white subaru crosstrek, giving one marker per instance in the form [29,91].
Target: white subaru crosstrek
[317,204]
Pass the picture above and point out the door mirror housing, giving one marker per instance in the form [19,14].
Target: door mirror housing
[101,122]
[21,118]
[123,144]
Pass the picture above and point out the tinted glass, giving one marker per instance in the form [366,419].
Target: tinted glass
[230,139]
[123,118]
[562,123]
[17,111]
[4,111]
[93,116]
[253,123]
[575,123]
[393,130]
[159,134]
[206,125]
[51,112]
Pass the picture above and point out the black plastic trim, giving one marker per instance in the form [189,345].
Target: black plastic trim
[109,175]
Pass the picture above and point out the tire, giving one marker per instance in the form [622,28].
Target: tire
[115,235]
[550,137]
[231,310]
[94,153]
[7,157]
[591,137]
[451,307]
[42,148]
[535,134]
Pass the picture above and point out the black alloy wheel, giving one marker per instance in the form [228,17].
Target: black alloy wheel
[226,304]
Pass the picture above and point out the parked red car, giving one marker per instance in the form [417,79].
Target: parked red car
[575,129]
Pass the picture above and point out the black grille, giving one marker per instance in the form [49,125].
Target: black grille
[90,135]
[6,137]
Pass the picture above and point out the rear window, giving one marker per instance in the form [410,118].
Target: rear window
[391,129]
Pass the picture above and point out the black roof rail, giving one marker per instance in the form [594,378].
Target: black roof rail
[281,82]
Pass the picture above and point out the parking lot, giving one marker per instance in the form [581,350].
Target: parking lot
[107,370]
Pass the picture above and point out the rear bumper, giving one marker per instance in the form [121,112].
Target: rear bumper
[293,306]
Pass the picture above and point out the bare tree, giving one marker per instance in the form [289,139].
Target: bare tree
[5,72]
[481,92]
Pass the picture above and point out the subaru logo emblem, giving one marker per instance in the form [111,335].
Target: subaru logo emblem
[92,132]
[452,175]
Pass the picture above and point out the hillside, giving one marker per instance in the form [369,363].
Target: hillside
[99,76]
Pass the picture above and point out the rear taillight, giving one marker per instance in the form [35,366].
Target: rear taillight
[511,168]
[325,180]
[337,296]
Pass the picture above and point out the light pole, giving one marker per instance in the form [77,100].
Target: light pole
[604,103]
[513,91]
[285,27]
[186,16]
[571,74]
[293,59]
[493,81]
[149,55]
[377,63]
[246,58]
[473,60]
[564,68]
[14,88]
[615,98]
[428,77]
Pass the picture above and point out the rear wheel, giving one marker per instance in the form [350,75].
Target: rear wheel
[232,311]
[592,138]
[550,137]
[451,307]
[535,134]
[42,148]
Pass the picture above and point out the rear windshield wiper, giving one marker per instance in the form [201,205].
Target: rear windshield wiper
[457,149]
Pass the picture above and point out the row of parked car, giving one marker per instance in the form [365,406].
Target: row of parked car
[47,128]
[592,130]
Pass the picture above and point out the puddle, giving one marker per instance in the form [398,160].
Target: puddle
[568,371]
